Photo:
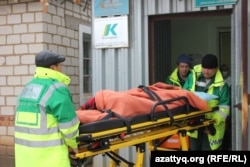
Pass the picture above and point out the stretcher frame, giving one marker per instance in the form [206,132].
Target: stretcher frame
[141,134]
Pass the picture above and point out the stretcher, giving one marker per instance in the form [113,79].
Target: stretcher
[153,129]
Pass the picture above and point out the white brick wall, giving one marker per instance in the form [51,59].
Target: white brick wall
[25,79]
[19,8]
[74,43]
[3,20]
[20,28]
[12,60]
[5,91]
[27,59]
[11,101]
[5,71]
[62,50]
[57,20]
[2,40]
[52,9]
[14,19]
[13,39]
[35,7]
[21,70]
[20,49]
[10,130]
[60,11]
[35,48]
[2,60]
[3,130]
[57,39]
[36,27]
[52,29]
[6,49]
[7,110]
[6,30]
[2,99]
[28,38]
[39,16]
[70,33]
[28,17]
[5,9]
[66,41]
[70,51]
[18,89]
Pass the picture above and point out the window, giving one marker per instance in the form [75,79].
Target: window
[85,63]
[87,68]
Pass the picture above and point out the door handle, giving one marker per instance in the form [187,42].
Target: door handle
[238,106]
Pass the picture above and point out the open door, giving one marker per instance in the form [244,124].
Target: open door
[240,82]
[160,50]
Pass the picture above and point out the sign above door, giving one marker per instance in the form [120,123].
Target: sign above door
[205,3]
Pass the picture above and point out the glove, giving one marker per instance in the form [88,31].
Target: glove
[72,152]
[210,130]
[90,104]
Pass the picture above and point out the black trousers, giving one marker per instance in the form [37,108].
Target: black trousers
[201,143]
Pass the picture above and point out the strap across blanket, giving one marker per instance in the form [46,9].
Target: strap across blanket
[153,96]
[112,114]
[136,102]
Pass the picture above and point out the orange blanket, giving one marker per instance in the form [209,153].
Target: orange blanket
[135,102]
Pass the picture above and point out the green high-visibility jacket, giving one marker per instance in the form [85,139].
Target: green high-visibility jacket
[219,88]
[46,124]
[173,79]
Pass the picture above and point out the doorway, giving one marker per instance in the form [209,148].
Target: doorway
[224,35]
[194,33]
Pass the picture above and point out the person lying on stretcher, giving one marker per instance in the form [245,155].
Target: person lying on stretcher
[136,101]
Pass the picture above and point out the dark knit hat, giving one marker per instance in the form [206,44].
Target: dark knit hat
[184,58]
[209,61]
[46,58]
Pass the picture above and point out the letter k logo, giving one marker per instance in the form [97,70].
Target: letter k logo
[109,28]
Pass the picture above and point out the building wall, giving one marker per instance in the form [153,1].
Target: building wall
[26,29]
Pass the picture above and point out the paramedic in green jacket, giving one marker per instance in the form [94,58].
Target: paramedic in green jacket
[182,71]
[209,79]
[46,125]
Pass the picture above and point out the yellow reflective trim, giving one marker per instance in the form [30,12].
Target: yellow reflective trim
[27,118]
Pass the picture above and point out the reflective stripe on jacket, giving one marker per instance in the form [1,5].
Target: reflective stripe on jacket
[46,123]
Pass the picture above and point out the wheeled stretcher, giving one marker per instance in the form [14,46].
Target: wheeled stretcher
[153,129]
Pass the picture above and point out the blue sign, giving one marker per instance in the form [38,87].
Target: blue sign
[203,3]
[110,7]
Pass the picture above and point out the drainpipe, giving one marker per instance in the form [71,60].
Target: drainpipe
[244,58]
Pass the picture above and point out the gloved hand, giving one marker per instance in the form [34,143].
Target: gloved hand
[210,129]
[90,104]
[72,152]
